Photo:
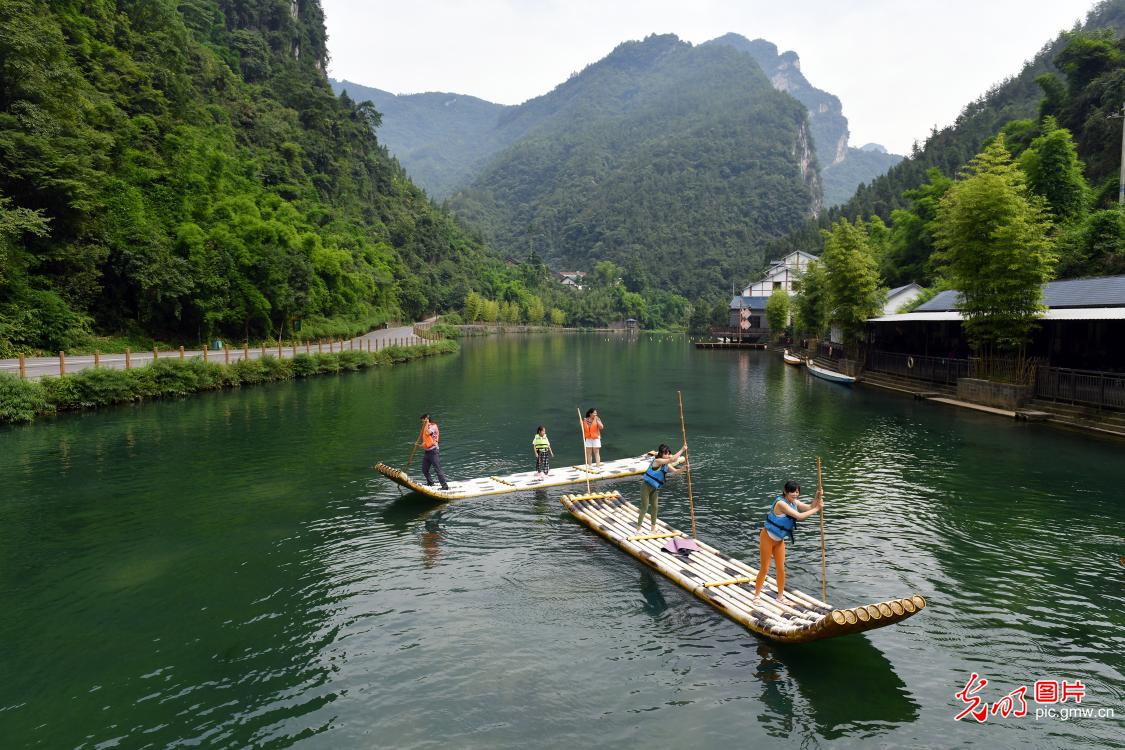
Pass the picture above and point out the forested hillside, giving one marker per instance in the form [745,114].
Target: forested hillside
[675,162]
[183,169]
[441,139]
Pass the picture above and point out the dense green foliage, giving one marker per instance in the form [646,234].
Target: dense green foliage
[24,400]
[777,311]
[442,140]
[183,169]
[853,278]
[661,158]
[813,302]
[994,246]
[609,296]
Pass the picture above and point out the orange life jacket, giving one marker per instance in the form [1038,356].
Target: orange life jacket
[591,430]
[430,436]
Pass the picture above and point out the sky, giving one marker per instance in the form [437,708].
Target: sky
[900,67]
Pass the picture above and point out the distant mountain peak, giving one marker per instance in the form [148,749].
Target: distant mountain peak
[876,148]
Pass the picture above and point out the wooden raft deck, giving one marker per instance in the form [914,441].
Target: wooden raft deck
[497,485]
[728,584]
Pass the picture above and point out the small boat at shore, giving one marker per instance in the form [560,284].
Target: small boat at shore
[727,584]
[830,375]
[791,359]
[526,480]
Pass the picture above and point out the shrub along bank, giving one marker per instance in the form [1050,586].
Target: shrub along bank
[24,400]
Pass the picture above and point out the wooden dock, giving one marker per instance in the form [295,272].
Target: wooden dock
[729,345]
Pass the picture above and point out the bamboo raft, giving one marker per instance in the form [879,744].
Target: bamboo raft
[728,584]
[499,485]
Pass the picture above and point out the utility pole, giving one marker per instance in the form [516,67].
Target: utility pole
[1121,182]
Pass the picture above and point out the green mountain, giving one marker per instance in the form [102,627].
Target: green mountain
[445,140]
[181,168]
[675,162]
[442,140]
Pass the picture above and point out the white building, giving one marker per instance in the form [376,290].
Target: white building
[782,274]
[899,297]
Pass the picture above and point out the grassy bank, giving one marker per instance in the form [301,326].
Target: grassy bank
[25,400]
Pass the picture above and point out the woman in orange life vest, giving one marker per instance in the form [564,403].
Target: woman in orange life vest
[592,433]
[431,450]
[779,524]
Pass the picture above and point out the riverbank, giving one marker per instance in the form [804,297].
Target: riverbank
[1103,423]
[23,401]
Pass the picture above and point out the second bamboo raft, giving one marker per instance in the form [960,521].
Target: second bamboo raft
[727,584]
[527,480]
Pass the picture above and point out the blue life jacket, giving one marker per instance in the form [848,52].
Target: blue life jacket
[656,477]
[783,525]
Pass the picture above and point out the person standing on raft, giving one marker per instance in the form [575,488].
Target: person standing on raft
[541,447]
[431,435]
[592,435]
[779,525]
[663,464]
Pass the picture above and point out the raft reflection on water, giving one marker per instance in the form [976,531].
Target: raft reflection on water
[823,674]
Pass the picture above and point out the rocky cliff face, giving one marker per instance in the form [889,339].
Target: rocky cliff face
[805,155]
[829,126]
[842,168]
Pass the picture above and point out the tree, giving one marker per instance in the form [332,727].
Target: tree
[474,306]
[911,242]
[1095,245]
[813,303]
[558,317]
[535,311]
[853,278]
[777,311]
[1054,172]
[606,273]
[993,241]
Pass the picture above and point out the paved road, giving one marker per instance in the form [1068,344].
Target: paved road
[37,367]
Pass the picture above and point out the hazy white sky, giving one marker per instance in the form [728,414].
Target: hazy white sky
[899,66]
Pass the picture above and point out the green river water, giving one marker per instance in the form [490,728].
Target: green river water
[228,571]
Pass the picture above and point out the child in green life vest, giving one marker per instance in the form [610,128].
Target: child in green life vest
[541,447]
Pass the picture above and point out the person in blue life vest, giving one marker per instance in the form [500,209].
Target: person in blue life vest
[778,526]
[541,447]
[663,463]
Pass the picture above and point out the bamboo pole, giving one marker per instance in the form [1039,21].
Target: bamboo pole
[683,432]
[425,424]
[823,549]
[585,455]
